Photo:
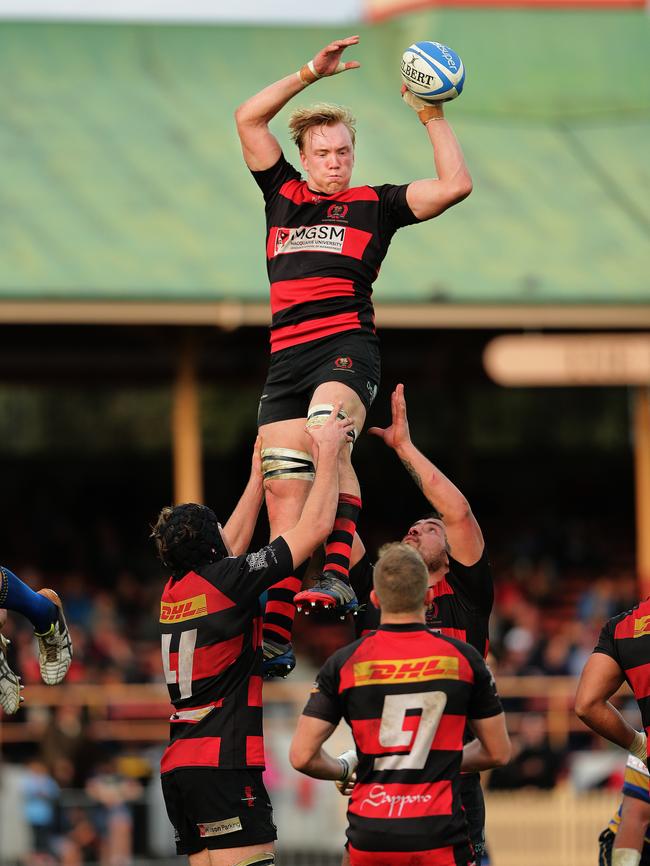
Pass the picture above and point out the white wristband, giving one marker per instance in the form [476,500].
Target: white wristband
[312,69]
[349,761]
[339,68]
[639,746]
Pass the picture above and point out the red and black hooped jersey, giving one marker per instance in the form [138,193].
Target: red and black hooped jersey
[461,607]
[324,252]
[406,693]
[211,634]
[626,639]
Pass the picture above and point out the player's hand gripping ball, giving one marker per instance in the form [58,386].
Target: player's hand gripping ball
[433,71]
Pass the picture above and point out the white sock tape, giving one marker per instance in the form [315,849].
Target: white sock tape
[625,857]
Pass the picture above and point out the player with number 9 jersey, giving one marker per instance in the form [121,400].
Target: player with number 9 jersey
[407,694]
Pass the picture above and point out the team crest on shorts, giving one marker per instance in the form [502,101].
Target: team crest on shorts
[343,363]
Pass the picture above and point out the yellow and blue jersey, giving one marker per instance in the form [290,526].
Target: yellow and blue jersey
[635,784]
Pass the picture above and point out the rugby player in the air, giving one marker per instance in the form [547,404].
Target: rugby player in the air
[407,692]
[325,243]
[211,638]
[462,593]
[45,612]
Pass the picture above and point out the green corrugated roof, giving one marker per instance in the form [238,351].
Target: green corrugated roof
[121,174]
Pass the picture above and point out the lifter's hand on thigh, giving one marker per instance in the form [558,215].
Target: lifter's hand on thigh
[335,433]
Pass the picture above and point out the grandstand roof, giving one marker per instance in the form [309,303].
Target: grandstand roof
[122,178]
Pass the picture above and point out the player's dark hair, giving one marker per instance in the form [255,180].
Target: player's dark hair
[400,579]
[434,514]
[187,537]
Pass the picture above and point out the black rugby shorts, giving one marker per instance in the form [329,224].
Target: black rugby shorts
[218,809]
[471,796]
[294,373]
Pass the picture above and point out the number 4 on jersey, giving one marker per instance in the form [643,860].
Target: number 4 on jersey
[185,661]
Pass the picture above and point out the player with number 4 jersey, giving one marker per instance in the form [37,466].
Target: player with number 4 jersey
[407,694]
[211,639]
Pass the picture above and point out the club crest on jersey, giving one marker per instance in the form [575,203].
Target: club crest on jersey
[337,211]
[642,626]
[179,611]
[344,363]
[310,239]
[405,670]
[258,561]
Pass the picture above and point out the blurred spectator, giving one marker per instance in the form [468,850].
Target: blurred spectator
[518,646]
[534,764]
[598,602]
[112,793]
[554,659]
[41,795]
[82,842]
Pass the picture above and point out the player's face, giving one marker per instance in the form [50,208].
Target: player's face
[429,538]
[327,157]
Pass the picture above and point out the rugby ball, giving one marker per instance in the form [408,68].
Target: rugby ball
[433,71]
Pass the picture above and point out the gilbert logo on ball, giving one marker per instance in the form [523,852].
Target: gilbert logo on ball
[433,71]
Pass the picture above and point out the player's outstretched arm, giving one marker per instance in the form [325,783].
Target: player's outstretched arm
[600,678]
[428,198]
[492,747]
[241,524]
[260,147]
[463,532]
[319,511]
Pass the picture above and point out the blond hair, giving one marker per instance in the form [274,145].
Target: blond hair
[400,579]
[321,114]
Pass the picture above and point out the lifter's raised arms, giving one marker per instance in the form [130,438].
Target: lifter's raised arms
[325,243]
[463,532]
[450,542]
[212,659]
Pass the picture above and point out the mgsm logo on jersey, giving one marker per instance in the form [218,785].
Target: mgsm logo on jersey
[642,626]
[320,238]
[179,611]
[405,670]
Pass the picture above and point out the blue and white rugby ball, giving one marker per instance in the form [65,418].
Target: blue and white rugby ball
[433,71]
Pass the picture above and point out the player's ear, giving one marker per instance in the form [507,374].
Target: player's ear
[374,598]
[429,596]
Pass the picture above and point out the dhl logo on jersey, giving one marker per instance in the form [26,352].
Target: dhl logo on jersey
[642,626]
[179,611]
[387,671]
